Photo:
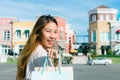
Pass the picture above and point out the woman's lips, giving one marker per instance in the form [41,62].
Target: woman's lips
[50,42]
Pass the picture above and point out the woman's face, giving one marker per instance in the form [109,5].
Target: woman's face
[49,35]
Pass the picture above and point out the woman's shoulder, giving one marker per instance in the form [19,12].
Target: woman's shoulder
[40,51]
[40,48]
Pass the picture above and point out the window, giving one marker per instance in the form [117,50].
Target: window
[94,36]
[18,33]
[61,35]
[118,36]
[26,33]
[105,36]
[101,17]
[6,35]
[108,17]
[21,48]
[114,17]
[5,49]
[93,17]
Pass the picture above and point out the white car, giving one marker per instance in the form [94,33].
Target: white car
[100,60]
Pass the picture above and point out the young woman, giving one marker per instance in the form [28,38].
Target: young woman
[38,46]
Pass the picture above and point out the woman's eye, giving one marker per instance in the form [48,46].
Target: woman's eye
[47,31]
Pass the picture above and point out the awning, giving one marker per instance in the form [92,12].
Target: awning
[18,31]
[118,31]
[26,31]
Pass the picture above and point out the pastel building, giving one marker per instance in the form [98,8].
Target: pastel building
[6,34]
[115,36]
[66,36]
[70,41]
[21,32]
[61,39]
[103,29]
[15,33]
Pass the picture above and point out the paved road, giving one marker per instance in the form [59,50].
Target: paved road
[96,72]
[81,72]
[7,71]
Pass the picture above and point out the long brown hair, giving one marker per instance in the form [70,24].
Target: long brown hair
[31,44]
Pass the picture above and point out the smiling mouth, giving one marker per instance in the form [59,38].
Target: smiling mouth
[50,42]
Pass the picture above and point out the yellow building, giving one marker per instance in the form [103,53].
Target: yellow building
[99,28]
[20,33]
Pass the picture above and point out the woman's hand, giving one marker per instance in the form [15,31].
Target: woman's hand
[52,53]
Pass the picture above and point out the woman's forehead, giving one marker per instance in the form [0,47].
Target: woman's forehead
[51,25]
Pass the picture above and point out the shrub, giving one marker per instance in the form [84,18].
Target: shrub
[110,52]
[12,60]
[94,54]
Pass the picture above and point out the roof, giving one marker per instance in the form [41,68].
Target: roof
[102,6]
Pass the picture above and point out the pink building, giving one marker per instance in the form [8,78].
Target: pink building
[5,34]
[66,37]
[8,26]
[61,28]
[70,40]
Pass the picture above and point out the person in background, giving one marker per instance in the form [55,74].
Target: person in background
[39,45]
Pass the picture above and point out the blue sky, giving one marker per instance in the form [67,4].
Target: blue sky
[74,11]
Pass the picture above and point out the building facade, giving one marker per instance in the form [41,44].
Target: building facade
[6,35]
[115,36]
[15,33]
[100,29]
[21,31]
[71,38]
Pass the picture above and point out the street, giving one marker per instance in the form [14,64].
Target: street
[7,71]
[81,72]
[96,72]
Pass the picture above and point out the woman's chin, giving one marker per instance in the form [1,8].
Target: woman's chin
[49,46]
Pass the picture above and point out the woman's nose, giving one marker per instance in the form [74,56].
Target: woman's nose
[52,35]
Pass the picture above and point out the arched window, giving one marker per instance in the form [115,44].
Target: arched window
[18,33]
[94,36]
[26,33]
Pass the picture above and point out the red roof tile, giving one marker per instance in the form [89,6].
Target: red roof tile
[102,6]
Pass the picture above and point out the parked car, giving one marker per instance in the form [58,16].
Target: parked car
[100,60]
[73,52]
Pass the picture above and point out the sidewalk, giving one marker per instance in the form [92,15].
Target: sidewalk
[79,59]
[3,58]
